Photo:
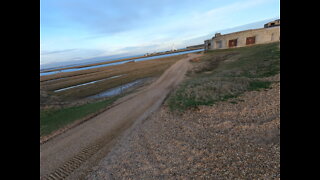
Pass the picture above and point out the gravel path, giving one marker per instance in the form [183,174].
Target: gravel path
[225,141]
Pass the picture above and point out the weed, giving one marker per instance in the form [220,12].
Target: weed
[64,112]
[257,85]
[53,119]
[224,74]
[130,72]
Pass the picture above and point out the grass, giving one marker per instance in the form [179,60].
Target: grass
[257,85]
[130,72]
[53,119]
[221,75]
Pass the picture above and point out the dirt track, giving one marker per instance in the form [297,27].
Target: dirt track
[70,155]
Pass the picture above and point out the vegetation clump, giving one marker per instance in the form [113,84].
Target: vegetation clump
[224,74]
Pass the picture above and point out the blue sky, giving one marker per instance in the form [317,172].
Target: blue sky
[72,30]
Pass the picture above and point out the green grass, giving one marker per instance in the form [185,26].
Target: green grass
[53,119]
[225,74]
[257,85]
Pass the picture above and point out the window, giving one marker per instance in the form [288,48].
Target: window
[232,42]
[250,40]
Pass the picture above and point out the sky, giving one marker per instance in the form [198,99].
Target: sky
[73,30]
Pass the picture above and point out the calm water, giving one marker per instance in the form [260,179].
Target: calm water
[122,62]
[117,90]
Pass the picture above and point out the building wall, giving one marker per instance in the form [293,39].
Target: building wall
[272,23]
[262,35]
[207,44]
[196,46]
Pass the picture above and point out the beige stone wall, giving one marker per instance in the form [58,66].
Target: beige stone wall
[272,23]
[262,35]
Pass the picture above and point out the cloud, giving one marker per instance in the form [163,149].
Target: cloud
[111,17]
[135,48]
[126,26]
[103,16]
[56,52]
[68,55]
[196,22]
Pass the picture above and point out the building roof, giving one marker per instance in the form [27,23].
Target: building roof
[238,32]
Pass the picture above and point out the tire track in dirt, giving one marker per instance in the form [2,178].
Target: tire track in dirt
[61,156]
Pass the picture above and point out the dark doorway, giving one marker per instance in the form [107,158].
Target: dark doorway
[218,44]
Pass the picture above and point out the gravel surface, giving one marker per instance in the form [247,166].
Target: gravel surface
[235,139]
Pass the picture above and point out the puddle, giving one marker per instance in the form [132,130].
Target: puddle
[92,82]
[117,90]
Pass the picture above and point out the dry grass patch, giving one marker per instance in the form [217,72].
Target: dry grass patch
[225,74]
[129,71]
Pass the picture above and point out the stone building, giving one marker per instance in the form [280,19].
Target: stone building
[207,44]
[270,33]
[272,23]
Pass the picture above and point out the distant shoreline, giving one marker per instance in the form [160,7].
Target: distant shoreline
[119,60]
